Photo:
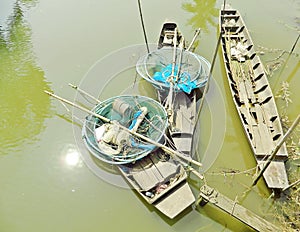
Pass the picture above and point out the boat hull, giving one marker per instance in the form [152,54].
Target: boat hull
[154,66]
[156,176]
[161,181]
[252,96]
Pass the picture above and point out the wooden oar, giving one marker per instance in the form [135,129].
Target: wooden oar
[165,148]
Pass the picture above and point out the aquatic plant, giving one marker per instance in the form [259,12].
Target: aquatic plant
[288,206]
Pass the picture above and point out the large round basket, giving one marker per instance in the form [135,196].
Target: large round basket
[122,110]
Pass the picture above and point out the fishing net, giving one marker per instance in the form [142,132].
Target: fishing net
[190,70]
[110,142]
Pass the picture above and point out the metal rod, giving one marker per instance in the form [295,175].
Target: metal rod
[275,150]
[143,26]
[165,148]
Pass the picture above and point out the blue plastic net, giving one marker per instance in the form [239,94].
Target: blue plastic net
[183,82]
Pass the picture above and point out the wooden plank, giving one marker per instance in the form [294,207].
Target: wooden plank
[183,143]
[242,92]
[184,121]
[265,134]
[275,175]
[256,141]
[167,169]
[185,113]
[176,202]
[147,177]
[249,90]
[236,210]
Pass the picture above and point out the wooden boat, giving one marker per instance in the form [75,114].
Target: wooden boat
[191,71]
[157,177]
[161,180]
[166,38]
[252,96]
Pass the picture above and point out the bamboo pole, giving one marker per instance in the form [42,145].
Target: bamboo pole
[189,168]
[210,72]
[165,148]
[194,39]
[181,47]
[143,26]
[275,150]
[291,185]
[84,93]
[294,44]
[168,104]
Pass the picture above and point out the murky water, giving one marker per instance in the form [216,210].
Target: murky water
[48,180]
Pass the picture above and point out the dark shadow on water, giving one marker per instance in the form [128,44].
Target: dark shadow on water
[204,13]
[23,103]
[223,218]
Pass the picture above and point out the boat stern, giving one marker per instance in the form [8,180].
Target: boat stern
[176,202]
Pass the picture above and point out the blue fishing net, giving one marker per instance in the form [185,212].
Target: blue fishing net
[182,81]
[156,68]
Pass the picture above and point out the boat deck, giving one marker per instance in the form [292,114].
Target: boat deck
[161,181]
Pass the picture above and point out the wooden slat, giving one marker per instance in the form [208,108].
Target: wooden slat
[166,169]
[242,92]
[249,90]
[265,134]
[184,113]
[147,177]
[183,144]
[176,202]
[236,210]
[275,175]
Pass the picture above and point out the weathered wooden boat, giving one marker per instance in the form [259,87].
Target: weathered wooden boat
[179,94]
[166,37]
[252,96]
[159,178]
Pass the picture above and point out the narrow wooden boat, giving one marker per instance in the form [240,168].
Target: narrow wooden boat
[157,177]
[252,96]
[166,37]
[190,75]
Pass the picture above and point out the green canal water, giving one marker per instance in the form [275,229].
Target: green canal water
[49,182]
